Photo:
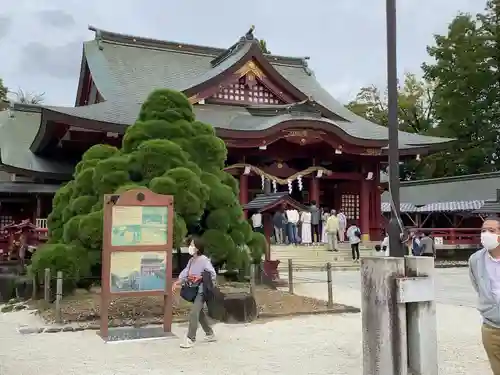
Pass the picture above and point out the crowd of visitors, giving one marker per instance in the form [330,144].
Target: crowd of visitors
[312,226]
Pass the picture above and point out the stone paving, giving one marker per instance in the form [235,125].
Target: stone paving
[303,345]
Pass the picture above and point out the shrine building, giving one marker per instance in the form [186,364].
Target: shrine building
[281,127]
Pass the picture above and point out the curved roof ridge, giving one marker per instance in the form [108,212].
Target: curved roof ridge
[143,42]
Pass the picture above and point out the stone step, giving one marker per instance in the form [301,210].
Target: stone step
[316,257]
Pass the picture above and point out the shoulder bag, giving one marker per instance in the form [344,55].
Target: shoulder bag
[190,289]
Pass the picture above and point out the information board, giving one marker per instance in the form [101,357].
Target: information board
[137,251]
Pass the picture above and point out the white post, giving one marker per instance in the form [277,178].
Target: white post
[421,320]
[383,319]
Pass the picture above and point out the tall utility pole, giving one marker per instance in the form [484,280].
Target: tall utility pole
[395,246]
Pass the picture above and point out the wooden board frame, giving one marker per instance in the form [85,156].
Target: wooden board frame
[142,197]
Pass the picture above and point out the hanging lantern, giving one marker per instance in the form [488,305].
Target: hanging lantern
[275,187]
[263,182]
[299,181]
[290,188]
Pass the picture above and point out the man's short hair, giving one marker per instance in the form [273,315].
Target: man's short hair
[493,218]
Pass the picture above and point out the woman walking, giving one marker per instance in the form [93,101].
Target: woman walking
[192,289]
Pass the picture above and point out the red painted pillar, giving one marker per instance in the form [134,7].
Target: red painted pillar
[314,190]
[364,209]
[244,192]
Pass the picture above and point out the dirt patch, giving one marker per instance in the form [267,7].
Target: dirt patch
[84,307]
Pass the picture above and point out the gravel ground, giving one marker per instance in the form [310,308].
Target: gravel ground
[327,344]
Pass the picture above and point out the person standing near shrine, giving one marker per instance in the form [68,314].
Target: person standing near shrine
[428,248]
[342,225]
[306,232]
[484,271]
[315,220]
[292,216]
[257,222]
[332,230]
[279,222]
[324,218]
[354,236]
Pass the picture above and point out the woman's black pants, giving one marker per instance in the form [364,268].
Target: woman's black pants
[355,251]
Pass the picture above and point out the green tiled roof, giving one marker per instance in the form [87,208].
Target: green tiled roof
[449,189]
[17,131]
[28,188]
[126,69]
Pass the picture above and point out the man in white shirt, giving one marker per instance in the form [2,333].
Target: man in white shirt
[342,225]
[293,217]
[257,222]
[385,246]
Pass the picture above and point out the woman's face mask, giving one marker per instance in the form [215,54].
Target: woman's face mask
[192,249]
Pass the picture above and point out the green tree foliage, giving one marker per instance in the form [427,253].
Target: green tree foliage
[415,102]
[467,95]
[170,152]
[3,91]
[263,46]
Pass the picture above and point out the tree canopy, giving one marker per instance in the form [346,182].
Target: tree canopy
[26,97]
[263,46]
[171,153]
[458,97]
[3,91]
[415,101]
[416,98]
[467,92]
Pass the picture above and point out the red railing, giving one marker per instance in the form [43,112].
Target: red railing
[454,236]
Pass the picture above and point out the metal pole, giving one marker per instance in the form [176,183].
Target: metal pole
[395,246]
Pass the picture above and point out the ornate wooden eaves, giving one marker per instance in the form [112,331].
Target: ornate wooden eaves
[194,99]
[372,152]
[251,70]
[303,137]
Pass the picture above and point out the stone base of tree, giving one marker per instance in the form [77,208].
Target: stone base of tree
[233,307]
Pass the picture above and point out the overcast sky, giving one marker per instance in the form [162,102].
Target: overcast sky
[41,40]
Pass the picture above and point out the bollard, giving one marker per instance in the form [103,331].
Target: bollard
[383,319]
[290,276]
[59,292]
[330,284]
[252,279]
[46,286]
[421,317]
